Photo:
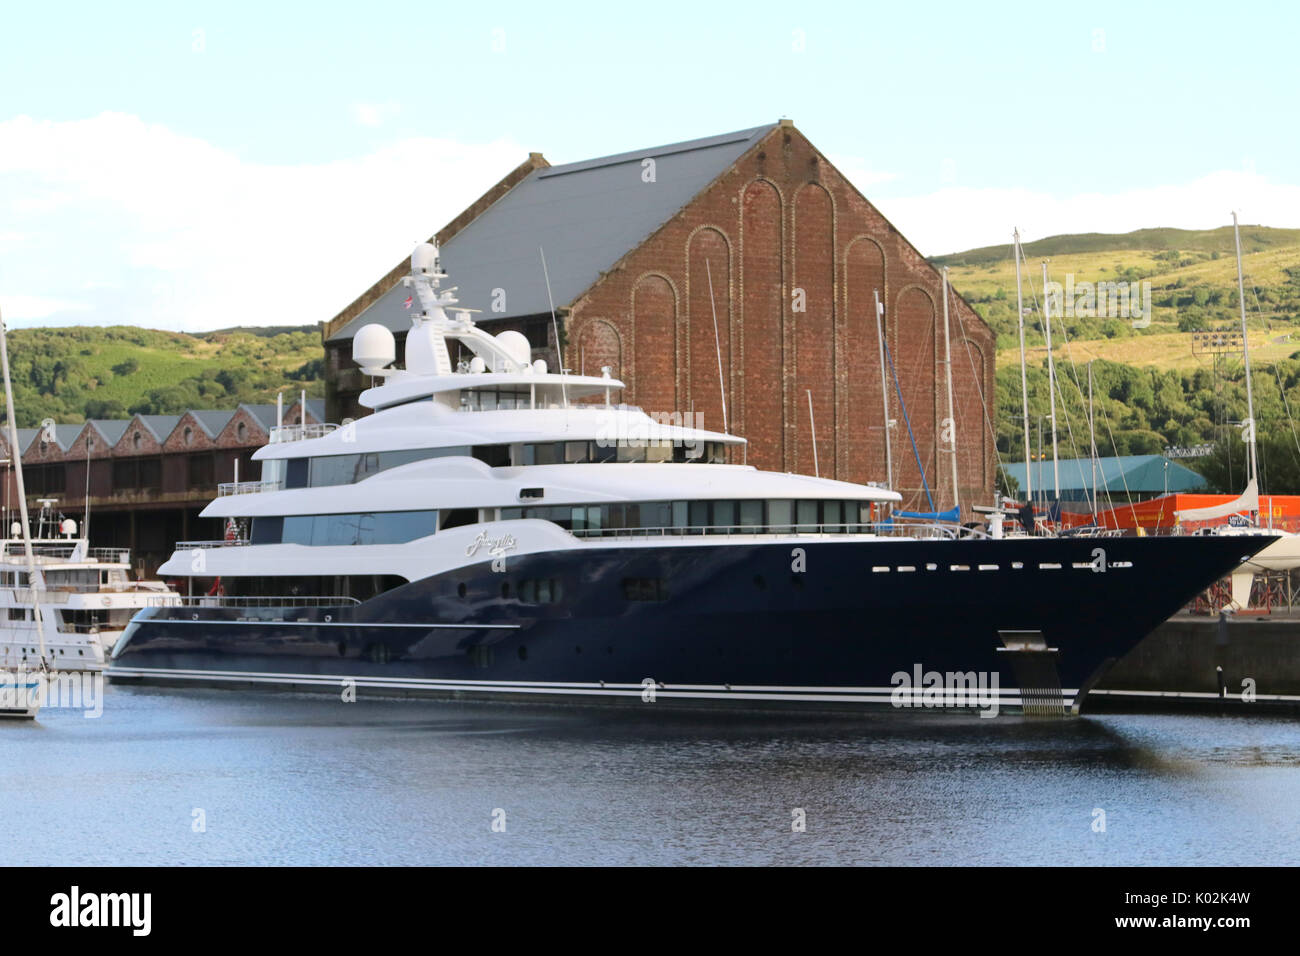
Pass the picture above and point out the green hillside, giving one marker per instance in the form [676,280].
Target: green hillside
[1152,388]
[79,372]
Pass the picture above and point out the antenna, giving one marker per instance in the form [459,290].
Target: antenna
[555,328]
[717,344]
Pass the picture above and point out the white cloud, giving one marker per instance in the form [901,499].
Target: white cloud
[955,219]
[374,114]
[155,228]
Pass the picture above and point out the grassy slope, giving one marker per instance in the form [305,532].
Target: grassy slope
[982,274]
[89,356]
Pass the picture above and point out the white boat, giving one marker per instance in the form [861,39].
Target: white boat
[498,530]
[86,598]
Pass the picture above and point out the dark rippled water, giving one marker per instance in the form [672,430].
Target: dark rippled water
[304,780]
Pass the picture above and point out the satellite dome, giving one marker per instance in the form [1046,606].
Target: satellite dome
[424,260]
[515,344]
[373,348]
[68,527]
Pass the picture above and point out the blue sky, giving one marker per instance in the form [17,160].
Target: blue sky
[188,143]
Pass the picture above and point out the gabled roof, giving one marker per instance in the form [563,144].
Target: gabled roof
[211,421]
[264,415]
[1137,474]
[112,429]
[65,435]
[160,425]
[585,216]
[316,408]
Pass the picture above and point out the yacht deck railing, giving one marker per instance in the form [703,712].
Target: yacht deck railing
[288,600]
[283,433]
[898,528]
[227,488]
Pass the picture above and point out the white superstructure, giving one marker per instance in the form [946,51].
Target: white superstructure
[472,439]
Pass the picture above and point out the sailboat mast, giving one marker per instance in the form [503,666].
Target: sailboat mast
[1092,442]
[22,490]
[884,390]
[1024,383]
[1051,383]
[952,415]
[1251,463]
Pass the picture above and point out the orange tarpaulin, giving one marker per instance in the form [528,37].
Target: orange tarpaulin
[1284,511]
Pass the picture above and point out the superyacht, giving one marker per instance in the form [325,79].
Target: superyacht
[496,529]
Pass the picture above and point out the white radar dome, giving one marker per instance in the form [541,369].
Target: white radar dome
[373,348]
[424,260]
[477,365]
[68,527]
[515,344]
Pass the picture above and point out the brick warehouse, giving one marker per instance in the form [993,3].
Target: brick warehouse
[633,243]
[147,477]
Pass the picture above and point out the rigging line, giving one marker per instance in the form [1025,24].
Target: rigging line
[1074,376]
[1064,411]
[979,386]
[1286,405]
[916,451]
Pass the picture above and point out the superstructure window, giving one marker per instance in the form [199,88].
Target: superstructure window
[327,470]
[727,516]
[371,527]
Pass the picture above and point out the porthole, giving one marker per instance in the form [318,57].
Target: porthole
[343,648]
[505,589]
[523,652]
[461,589]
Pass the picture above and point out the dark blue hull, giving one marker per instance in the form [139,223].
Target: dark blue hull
[714,623]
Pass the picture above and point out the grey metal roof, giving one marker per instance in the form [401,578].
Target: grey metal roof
[586,216]
[160,425]
[211,421]
[316,408]
[65,435]
[111,428]
[25,438]
[264,415]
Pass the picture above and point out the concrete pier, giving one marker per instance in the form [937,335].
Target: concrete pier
[1199,662]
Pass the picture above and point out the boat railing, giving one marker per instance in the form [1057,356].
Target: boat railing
[219,543]
[287,600]
[67,550]
[227,488]
[899,528]
[283,433]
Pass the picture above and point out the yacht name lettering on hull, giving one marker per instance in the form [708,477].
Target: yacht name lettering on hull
[497,547]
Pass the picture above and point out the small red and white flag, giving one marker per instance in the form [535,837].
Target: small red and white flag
[407,303]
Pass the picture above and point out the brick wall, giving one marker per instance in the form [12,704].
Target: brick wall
[795,255]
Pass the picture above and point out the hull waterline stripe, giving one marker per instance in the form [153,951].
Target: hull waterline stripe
[463,627]
[1006,696]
